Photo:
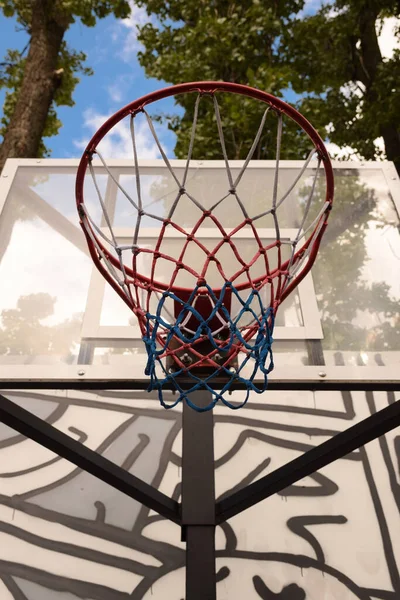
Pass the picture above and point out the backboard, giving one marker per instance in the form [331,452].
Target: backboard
[61,321]
[65,535]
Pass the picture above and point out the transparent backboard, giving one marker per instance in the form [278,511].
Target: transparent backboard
[59,318]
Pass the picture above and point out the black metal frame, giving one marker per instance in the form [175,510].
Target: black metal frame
[86,383]
[198,514]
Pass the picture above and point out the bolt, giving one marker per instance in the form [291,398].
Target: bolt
[81,372]
[186,359]
[232,370]
[322,374]
[5,175]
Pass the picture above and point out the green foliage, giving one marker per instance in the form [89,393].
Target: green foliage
[88,11]
[356,313]
[331,58]
[71,63]
[335,56]
[24,333]
[201,40]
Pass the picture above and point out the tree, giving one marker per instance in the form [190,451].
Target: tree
[353,93]
[23,332]
[219,40]
[331,57]
[47,75]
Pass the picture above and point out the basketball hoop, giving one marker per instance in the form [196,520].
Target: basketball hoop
[197,332]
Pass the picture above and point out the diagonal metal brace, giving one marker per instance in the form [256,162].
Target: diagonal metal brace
[338,446]
[48,436]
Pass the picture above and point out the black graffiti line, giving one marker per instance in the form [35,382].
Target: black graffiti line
[31,469]
[100,511]
[132,457]
[297,525]
[326,487]
[176,460]
[13,588]
[250,477]
[302,562]
[383,526]
[146,584]
[157,411]
[82,437]
[396,443]
[70,549]
[57,413]
[289,592]
[93,528]
[222,574]
[82,589]
[274,441]
[383,594]
[75,471]
[230,536]
[176,494]
[347,415]
[251,422]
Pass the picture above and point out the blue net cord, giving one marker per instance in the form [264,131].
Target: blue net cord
[258,348]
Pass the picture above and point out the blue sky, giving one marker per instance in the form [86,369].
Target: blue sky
[111,49]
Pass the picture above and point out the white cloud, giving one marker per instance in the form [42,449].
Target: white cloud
[119,89]
[126,31]
[115,92]
[118,142]
[388,40]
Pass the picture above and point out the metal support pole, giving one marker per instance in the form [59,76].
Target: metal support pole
[198,499]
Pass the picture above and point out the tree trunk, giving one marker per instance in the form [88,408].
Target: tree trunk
[370,60]
[39,84]
[391,137]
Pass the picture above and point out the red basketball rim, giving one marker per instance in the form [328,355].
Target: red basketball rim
[209,87]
